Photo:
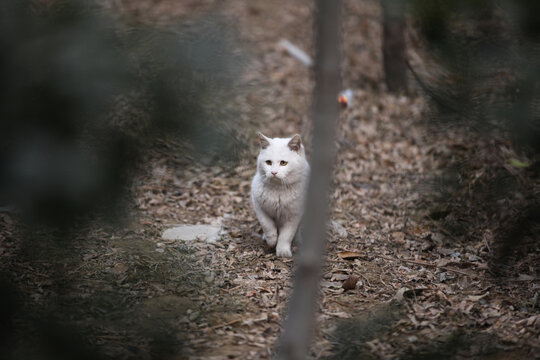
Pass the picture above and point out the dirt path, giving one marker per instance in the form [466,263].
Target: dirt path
[421,291]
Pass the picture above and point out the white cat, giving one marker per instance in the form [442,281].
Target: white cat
[278,190]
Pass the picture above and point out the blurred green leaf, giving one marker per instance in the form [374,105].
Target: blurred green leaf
[519,164]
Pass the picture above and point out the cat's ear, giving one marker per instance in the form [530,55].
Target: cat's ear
[295,143]
[263,140]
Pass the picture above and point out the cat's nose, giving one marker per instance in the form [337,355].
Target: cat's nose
[274,173]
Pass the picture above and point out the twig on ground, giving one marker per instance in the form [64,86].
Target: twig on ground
[425,263]
[225,324]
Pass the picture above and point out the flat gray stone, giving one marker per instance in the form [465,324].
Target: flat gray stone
[208,233]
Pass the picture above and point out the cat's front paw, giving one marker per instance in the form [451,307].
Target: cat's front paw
[284,251]
[271,240]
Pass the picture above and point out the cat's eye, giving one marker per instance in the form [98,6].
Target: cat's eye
[268,162]
[282,163]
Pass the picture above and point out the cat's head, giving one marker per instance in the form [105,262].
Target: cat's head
[281,159]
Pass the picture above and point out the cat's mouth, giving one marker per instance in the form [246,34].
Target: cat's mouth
[274,178]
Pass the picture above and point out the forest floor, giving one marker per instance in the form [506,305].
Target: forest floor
[422,285]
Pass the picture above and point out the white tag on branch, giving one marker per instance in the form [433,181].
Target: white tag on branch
[296,52]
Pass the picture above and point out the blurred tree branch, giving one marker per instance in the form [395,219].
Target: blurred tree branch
[395,65]
[299,323]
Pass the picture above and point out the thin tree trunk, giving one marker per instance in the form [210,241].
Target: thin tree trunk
[300,321]
[395,62]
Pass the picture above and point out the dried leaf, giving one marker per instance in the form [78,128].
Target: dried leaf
[349,255]
[331,284]
[250,321]
[398,237]
[443,262]
[119,268]
[350,283]
[478,297]
[340,314]
[339,277]
[404,293]
[525,277]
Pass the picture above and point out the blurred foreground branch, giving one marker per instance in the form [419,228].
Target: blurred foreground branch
[300,320]
[395,66]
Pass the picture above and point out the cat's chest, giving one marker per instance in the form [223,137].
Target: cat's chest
[280,201]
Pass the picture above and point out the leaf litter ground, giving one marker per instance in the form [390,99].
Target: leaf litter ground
[402,278]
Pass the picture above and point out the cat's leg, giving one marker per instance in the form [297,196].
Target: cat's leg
[286,236]
[269,227]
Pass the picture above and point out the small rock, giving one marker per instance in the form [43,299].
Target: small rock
[399,297]
[412,339]
[208,233]
[194,315]
[209,278]
[339,229]
[473,257]
[446,276]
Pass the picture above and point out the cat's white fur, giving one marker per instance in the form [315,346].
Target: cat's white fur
[278,191]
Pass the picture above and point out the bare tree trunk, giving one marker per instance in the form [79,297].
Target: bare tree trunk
[299,324]
[395,62]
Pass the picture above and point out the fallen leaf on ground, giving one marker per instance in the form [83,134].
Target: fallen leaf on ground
[525,277]
[251,321]
[350,283]
[405,293]
[477,297]
[119,268]
[398,237]
[348,255]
